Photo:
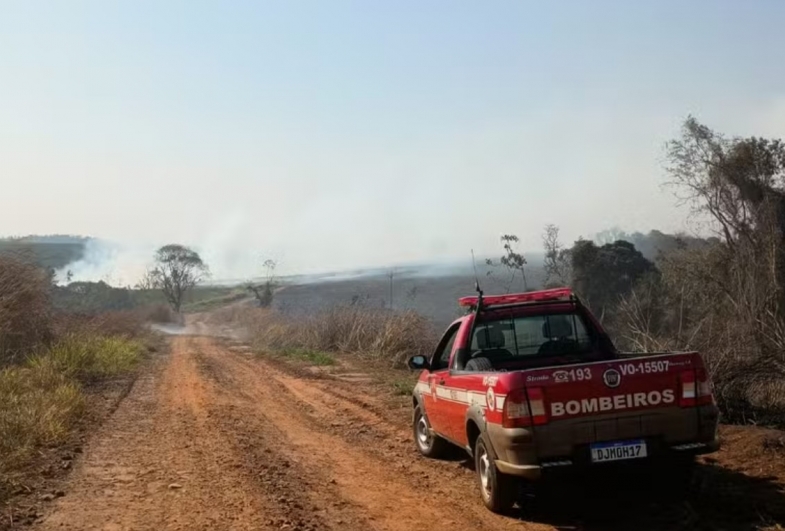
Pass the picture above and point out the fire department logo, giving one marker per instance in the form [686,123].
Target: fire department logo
[490,399]
[612,378]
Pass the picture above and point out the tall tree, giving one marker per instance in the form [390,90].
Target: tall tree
[740,185]
[602,275]
[177,270]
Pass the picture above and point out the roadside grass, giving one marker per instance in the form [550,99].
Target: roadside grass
[87,358]
[38,404]
[313,357]
[403,385]
[357,331]
[43,398]
[52,365]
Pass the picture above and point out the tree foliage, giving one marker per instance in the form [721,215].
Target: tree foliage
[725,298]
[177,269]
[91,297]
[654,243]
[723,295]
[604,274]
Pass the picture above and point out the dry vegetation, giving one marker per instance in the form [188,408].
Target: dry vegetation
[48,364]
[352,329]
[25,311]
[725,299]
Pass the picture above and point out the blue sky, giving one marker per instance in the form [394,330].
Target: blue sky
[340,134]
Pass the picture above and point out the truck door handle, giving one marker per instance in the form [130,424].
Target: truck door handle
[441,382]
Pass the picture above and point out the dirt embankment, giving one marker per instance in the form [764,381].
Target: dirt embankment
[214,437]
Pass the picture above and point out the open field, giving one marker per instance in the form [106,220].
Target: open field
[431,293]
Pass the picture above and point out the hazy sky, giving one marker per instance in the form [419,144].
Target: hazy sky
[334,134]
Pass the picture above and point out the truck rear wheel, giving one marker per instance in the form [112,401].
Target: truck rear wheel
[498,490]
[428,443]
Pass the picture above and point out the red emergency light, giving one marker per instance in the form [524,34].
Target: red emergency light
[545,295]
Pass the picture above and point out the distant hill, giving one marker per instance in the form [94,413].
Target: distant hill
[51,251]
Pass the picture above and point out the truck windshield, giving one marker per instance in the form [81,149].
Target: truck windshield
[532,336]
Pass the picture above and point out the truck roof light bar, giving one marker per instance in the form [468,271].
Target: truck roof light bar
[547,295]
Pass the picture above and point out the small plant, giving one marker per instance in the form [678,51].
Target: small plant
[403,386]
[314,357]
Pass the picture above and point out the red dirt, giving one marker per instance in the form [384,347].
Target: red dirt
[217,438]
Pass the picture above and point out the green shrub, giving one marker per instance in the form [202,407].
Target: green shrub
[91,357]
[404,385]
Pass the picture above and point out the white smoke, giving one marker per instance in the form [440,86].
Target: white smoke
[225,249]
[114,263]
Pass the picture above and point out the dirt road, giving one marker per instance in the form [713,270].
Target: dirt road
[215,439]
[212,437]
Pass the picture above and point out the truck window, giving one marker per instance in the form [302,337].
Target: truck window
[441,357]
[533,336]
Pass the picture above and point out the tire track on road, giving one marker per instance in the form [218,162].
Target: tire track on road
[373,465]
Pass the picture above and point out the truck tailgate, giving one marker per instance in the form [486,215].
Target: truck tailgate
[631,398]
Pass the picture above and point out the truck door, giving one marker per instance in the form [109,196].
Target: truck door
[462,394]
[434,400]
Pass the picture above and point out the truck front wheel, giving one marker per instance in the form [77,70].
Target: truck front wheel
[428,443]
[498,490]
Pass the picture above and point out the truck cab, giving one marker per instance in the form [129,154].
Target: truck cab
[531,382]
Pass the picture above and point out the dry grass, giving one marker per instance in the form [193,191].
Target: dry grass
[356,330]
[123,323]
[38,405]
[25,311]
[46,359]
[41,399]
[160,313]
[87,358]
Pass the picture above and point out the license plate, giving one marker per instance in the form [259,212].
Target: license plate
[617,451]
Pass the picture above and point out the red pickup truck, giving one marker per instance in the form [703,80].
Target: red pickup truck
[530,383]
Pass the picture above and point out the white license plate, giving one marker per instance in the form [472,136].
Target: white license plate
[617,451]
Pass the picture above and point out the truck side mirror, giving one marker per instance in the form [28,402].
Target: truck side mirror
[418,363]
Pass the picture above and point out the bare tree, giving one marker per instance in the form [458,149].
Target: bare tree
[264,292]
[177,270]
[557,259]
[148,281]
[512,260]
